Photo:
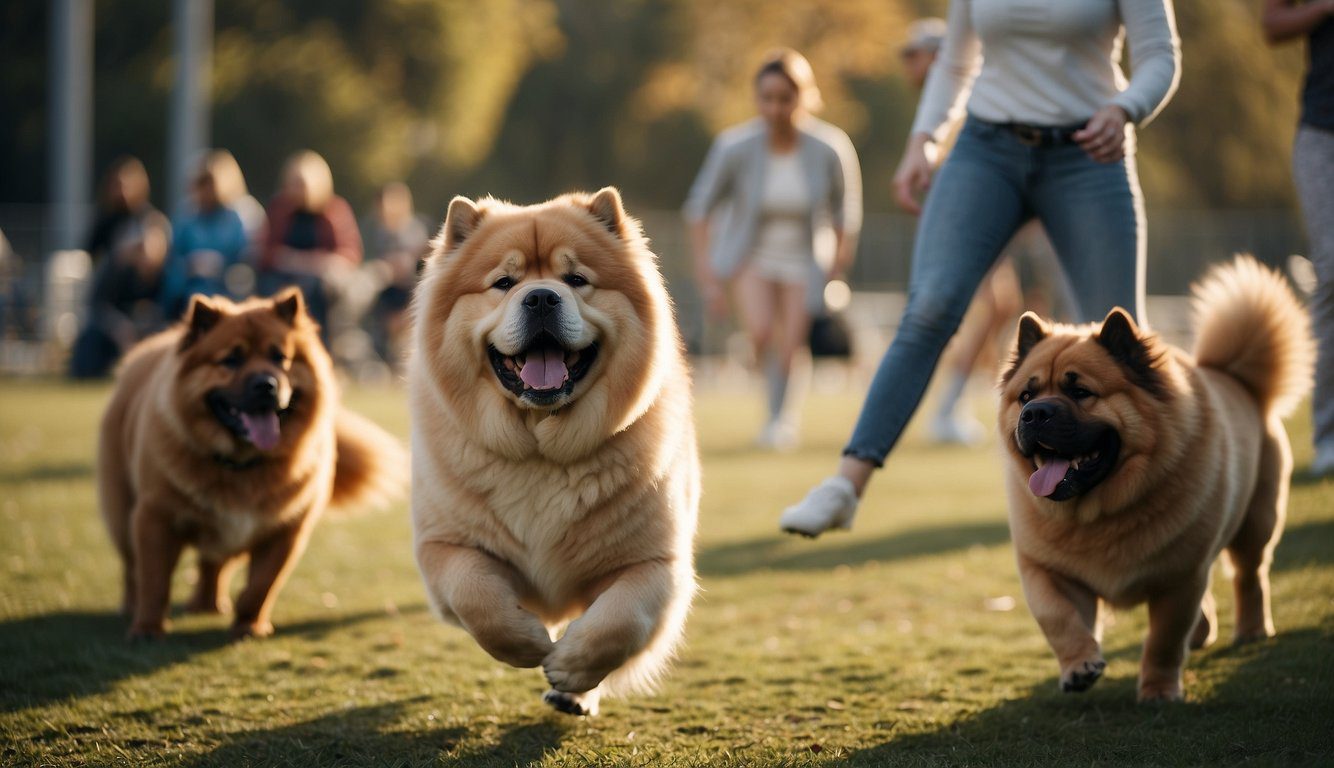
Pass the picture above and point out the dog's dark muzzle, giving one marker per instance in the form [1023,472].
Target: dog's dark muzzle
[1051,424]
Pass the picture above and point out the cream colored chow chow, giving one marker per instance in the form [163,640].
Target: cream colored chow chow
[555,472]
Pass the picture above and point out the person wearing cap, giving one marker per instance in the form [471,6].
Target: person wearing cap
[919,52]
[1049,133]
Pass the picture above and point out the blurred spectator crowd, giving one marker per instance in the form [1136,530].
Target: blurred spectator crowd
[357,277]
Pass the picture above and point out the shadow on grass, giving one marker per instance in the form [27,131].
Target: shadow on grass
[1304,477]
[74,654]
[776,553]
[1310,543]
[374,735]
[73,470]
[1272,707]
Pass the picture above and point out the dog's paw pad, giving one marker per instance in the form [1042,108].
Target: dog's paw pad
[1082,677]
[570,703]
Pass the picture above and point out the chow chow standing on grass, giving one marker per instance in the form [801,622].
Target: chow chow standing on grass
[1133,464]
[555,471]
[225,433]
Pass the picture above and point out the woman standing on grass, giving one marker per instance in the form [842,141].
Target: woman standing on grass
[778,196]
[1050,135]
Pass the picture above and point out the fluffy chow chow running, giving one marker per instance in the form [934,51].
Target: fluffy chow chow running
[1133,465]
[555,474]
[225,433]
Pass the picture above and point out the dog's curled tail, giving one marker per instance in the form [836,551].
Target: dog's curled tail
[372,466]
[1250,325]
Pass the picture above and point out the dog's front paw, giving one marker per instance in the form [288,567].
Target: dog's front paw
[1081,675]
[568,673]
[1160,691]
[517,646]
[577,704]
[1253,635]
[243,629]
[146,631]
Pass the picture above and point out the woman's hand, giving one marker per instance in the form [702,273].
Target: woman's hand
[913,177]
[1104,137]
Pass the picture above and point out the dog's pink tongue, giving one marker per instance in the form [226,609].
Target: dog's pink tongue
[544,369]
[1045,480]
[261,429]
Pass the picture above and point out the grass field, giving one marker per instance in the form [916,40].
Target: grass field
[905,642]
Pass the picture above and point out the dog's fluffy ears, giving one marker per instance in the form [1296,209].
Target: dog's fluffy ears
[461,221]
[1138,352]
[1032,330]
[465,216]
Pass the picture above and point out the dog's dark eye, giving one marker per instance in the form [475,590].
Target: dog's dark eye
[504,283]
[233,359]
[277,356]
[1079,393]
[575,280]
[1025,396]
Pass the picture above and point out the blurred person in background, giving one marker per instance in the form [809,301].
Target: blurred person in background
[311,239]
[207,242]
[1313,171]
[775,212]
[232,192]
[396,242]
[1050,135]
[128,244]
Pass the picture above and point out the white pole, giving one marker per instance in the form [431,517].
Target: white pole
[71,121]
[192,22]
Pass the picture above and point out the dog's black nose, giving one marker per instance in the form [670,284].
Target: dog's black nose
[541,301]
[1037,413]
[262,386]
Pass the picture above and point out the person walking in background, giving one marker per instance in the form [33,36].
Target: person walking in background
[128,244]
[396,242]
[775,211]
[311,239]
[1049,134]
[208,241]
[1313,171]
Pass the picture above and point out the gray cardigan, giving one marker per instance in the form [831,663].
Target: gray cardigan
[731,183]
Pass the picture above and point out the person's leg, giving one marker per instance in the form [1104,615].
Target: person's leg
[975,348]
[757,299]
[791,360]
[1094,214]
[1313,171]
[975,206]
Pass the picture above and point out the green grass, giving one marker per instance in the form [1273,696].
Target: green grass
[876,647]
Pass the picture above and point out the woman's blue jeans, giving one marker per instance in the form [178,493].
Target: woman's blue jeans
[990,185]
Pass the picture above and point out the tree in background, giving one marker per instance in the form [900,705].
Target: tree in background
[527,98]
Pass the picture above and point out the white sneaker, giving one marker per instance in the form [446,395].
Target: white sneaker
[1323,464]
[779,436]
[829,505]
[951,429]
